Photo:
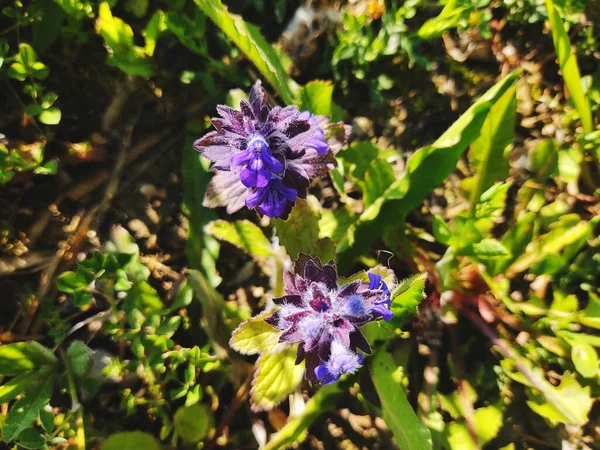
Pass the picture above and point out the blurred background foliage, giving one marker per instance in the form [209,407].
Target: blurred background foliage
[473,158]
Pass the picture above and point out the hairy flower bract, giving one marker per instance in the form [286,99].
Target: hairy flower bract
[323,317]
[264,157]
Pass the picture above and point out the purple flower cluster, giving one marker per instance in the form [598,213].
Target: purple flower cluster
[323,318]
[264,157]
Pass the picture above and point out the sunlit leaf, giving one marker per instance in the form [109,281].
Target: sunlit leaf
[409,431]
[23,356]
[428,167]
[244,235]
[253,44]
[568,67]
[300,232]
[26,409]
[256,336]
[276,377]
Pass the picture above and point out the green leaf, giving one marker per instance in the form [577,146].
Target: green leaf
[116,33]
[490,249]
[516,240]
[428,167]
[300,232]
[155,27]
[409,431]
[252,43]
[316,97]
[448,18]
[275,378]
[295,429]
[131,440]
[143,297]
[50,116]
[441,230]
[407,296]
[23,356]
[569,68]
[488,152]
[244,235]
[585,359]
[543,159]
[488,421]
[30,438]
[10,389]
[379,177]
[590,316]
[193,423]
[118,36]
[256,336]
[79,357]
[575,402]
[26,409]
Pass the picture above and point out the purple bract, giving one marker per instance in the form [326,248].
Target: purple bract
[323,317]
[264,157]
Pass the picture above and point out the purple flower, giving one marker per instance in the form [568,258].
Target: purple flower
[323,318]
[264,157]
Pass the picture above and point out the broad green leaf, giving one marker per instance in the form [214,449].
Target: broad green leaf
[409,431]
[585,360]
[295,429]
[275,378]
[316,97]
[256,336]
[490,249]
[407,296]
[441,230]
[202,250]
[574,402]
[300,232]
[253,44]
[26,409]
[131,440]
[429,166]
[193,423]
[30,438]
[10,389]
[190,33]
[23,356]
[488,152]
[379,177]
[244,235]
[569,68]
[79,357]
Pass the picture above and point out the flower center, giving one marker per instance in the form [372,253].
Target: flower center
[260,163]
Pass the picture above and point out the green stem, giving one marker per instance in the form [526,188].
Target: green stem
[76,407]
